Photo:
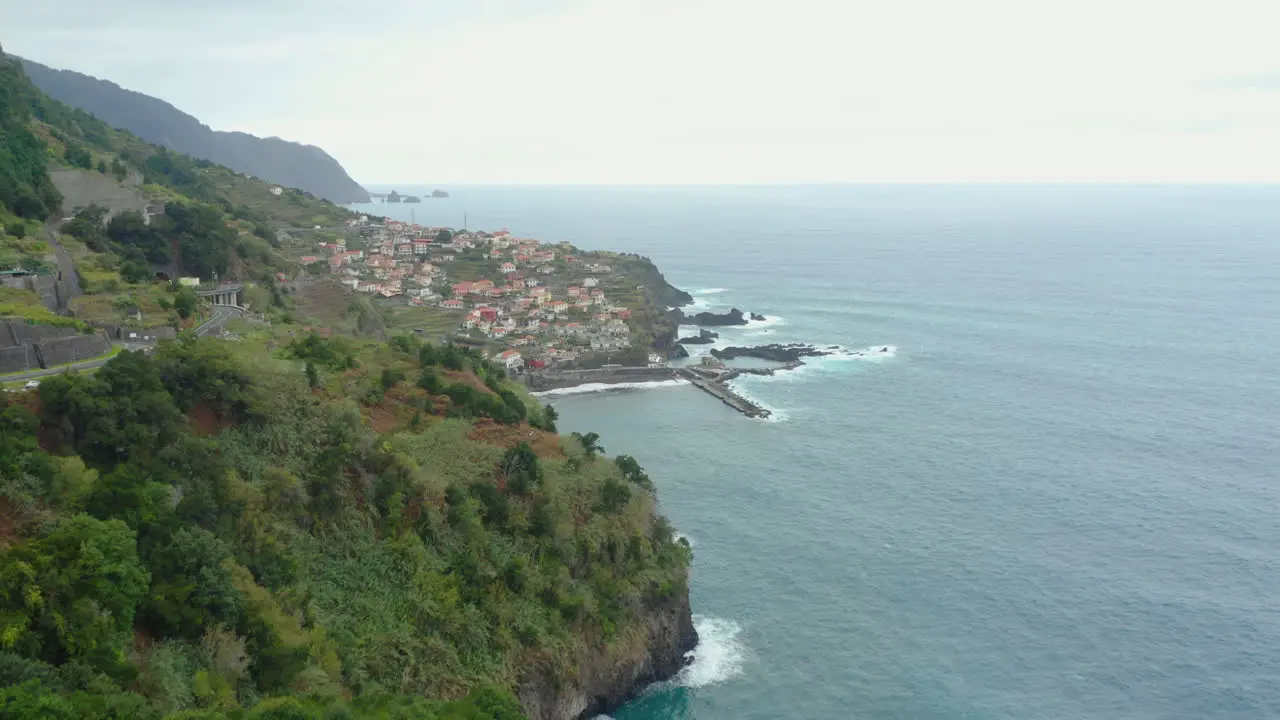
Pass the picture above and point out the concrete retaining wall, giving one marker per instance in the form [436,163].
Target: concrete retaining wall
[72,349]
[17,332]
[17,359]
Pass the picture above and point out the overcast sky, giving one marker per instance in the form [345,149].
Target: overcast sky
[706,91]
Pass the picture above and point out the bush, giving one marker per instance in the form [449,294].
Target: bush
[16,229]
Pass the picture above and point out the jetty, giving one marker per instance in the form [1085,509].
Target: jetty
[716,385]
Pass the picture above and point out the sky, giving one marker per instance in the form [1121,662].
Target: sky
[706,91]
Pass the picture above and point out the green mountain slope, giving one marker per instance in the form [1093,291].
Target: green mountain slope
[275,160]
[292,526]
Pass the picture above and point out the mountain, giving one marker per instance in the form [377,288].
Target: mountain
[286,163]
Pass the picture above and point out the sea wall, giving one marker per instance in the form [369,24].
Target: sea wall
[557,379]
[609,674]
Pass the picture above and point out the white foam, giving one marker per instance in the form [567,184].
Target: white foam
[602,387]
[708,291]
[718,656]
[681,536]
[738,386]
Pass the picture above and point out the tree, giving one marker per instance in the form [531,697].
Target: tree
[549,418]
[313,375]
[520,470]
[430,381]
[590,444]
[191,586]
[444,236]
[632,471]
[72,593]
[184,301]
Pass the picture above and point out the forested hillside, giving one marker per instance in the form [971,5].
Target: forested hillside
[214,221]
[329,527]
[290,164]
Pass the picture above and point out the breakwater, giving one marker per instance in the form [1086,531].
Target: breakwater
[711,382]
[560,379]
[714,384]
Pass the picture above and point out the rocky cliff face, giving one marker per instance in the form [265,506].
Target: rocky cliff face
[610,674]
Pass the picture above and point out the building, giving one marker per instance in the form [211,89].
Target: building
[656,360]
[277,191]
[590,282]
[451,304]
[512,359]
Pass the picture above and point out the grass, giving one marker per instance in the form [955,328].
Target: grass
[26,305]
[433,322]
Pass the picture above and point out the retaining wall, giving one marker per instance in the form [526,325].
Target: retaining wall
[71,349]
[17,359]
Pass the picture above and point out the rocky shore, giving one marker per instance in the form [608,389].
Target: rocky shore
[774,352]
[704,337]
[710,319]
[607,675]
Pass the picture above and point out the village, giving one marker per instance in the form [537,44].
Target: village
[529,305]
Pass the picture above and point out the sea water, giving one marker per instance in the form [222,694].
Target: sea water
[1056,494]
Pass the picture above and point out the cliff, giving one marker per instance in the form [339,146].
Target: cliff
[278,161]
[610,675]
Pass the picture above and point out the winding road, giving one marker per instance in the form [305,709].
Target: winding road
[221,314]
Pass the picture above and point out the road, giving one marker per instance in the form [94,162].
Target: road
[211,326]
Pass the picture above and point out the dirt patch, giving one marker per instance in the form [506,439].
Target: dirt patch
[466,378]
[545,444]
[8,530]
[325,300]
[204,421]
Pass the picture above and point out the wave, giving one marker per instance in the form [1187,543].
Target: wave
[719,655]
[738,386]
[708,291]
[602,387]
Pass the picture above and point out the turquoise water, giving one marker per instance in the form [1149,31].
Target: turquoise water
[1055,498]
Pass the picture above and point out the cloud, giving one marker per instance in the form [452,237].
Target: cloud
[721,91]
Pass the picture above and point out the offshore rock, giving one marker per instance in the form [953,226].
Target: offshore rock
[704,337]
[775,352]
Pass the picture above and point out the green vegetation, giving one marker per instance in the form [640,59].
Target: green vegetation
[219,530]
[25,187]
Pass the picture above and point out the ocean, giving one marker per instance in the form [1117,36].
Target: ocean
[1056,496]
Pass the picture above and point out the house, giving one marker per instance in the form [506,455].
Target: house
[574,292]
[508,268]
[451,304]
[656,360]
[277,191]
[421,247]
[573,259]
[462,288]
[488,313]
[622,314]
[350,282]
[404,248]
[590,282]
[495,254]
[512,359]
[479,285]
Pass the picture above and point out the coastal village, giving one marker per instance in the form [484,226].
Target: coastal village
[530,305]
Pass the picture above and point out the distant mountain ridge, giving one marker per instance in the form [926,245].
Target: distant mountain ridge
[273,159]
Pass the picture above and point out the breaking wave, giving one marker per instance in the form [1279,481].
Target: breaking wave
[603,387]
[718,656]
